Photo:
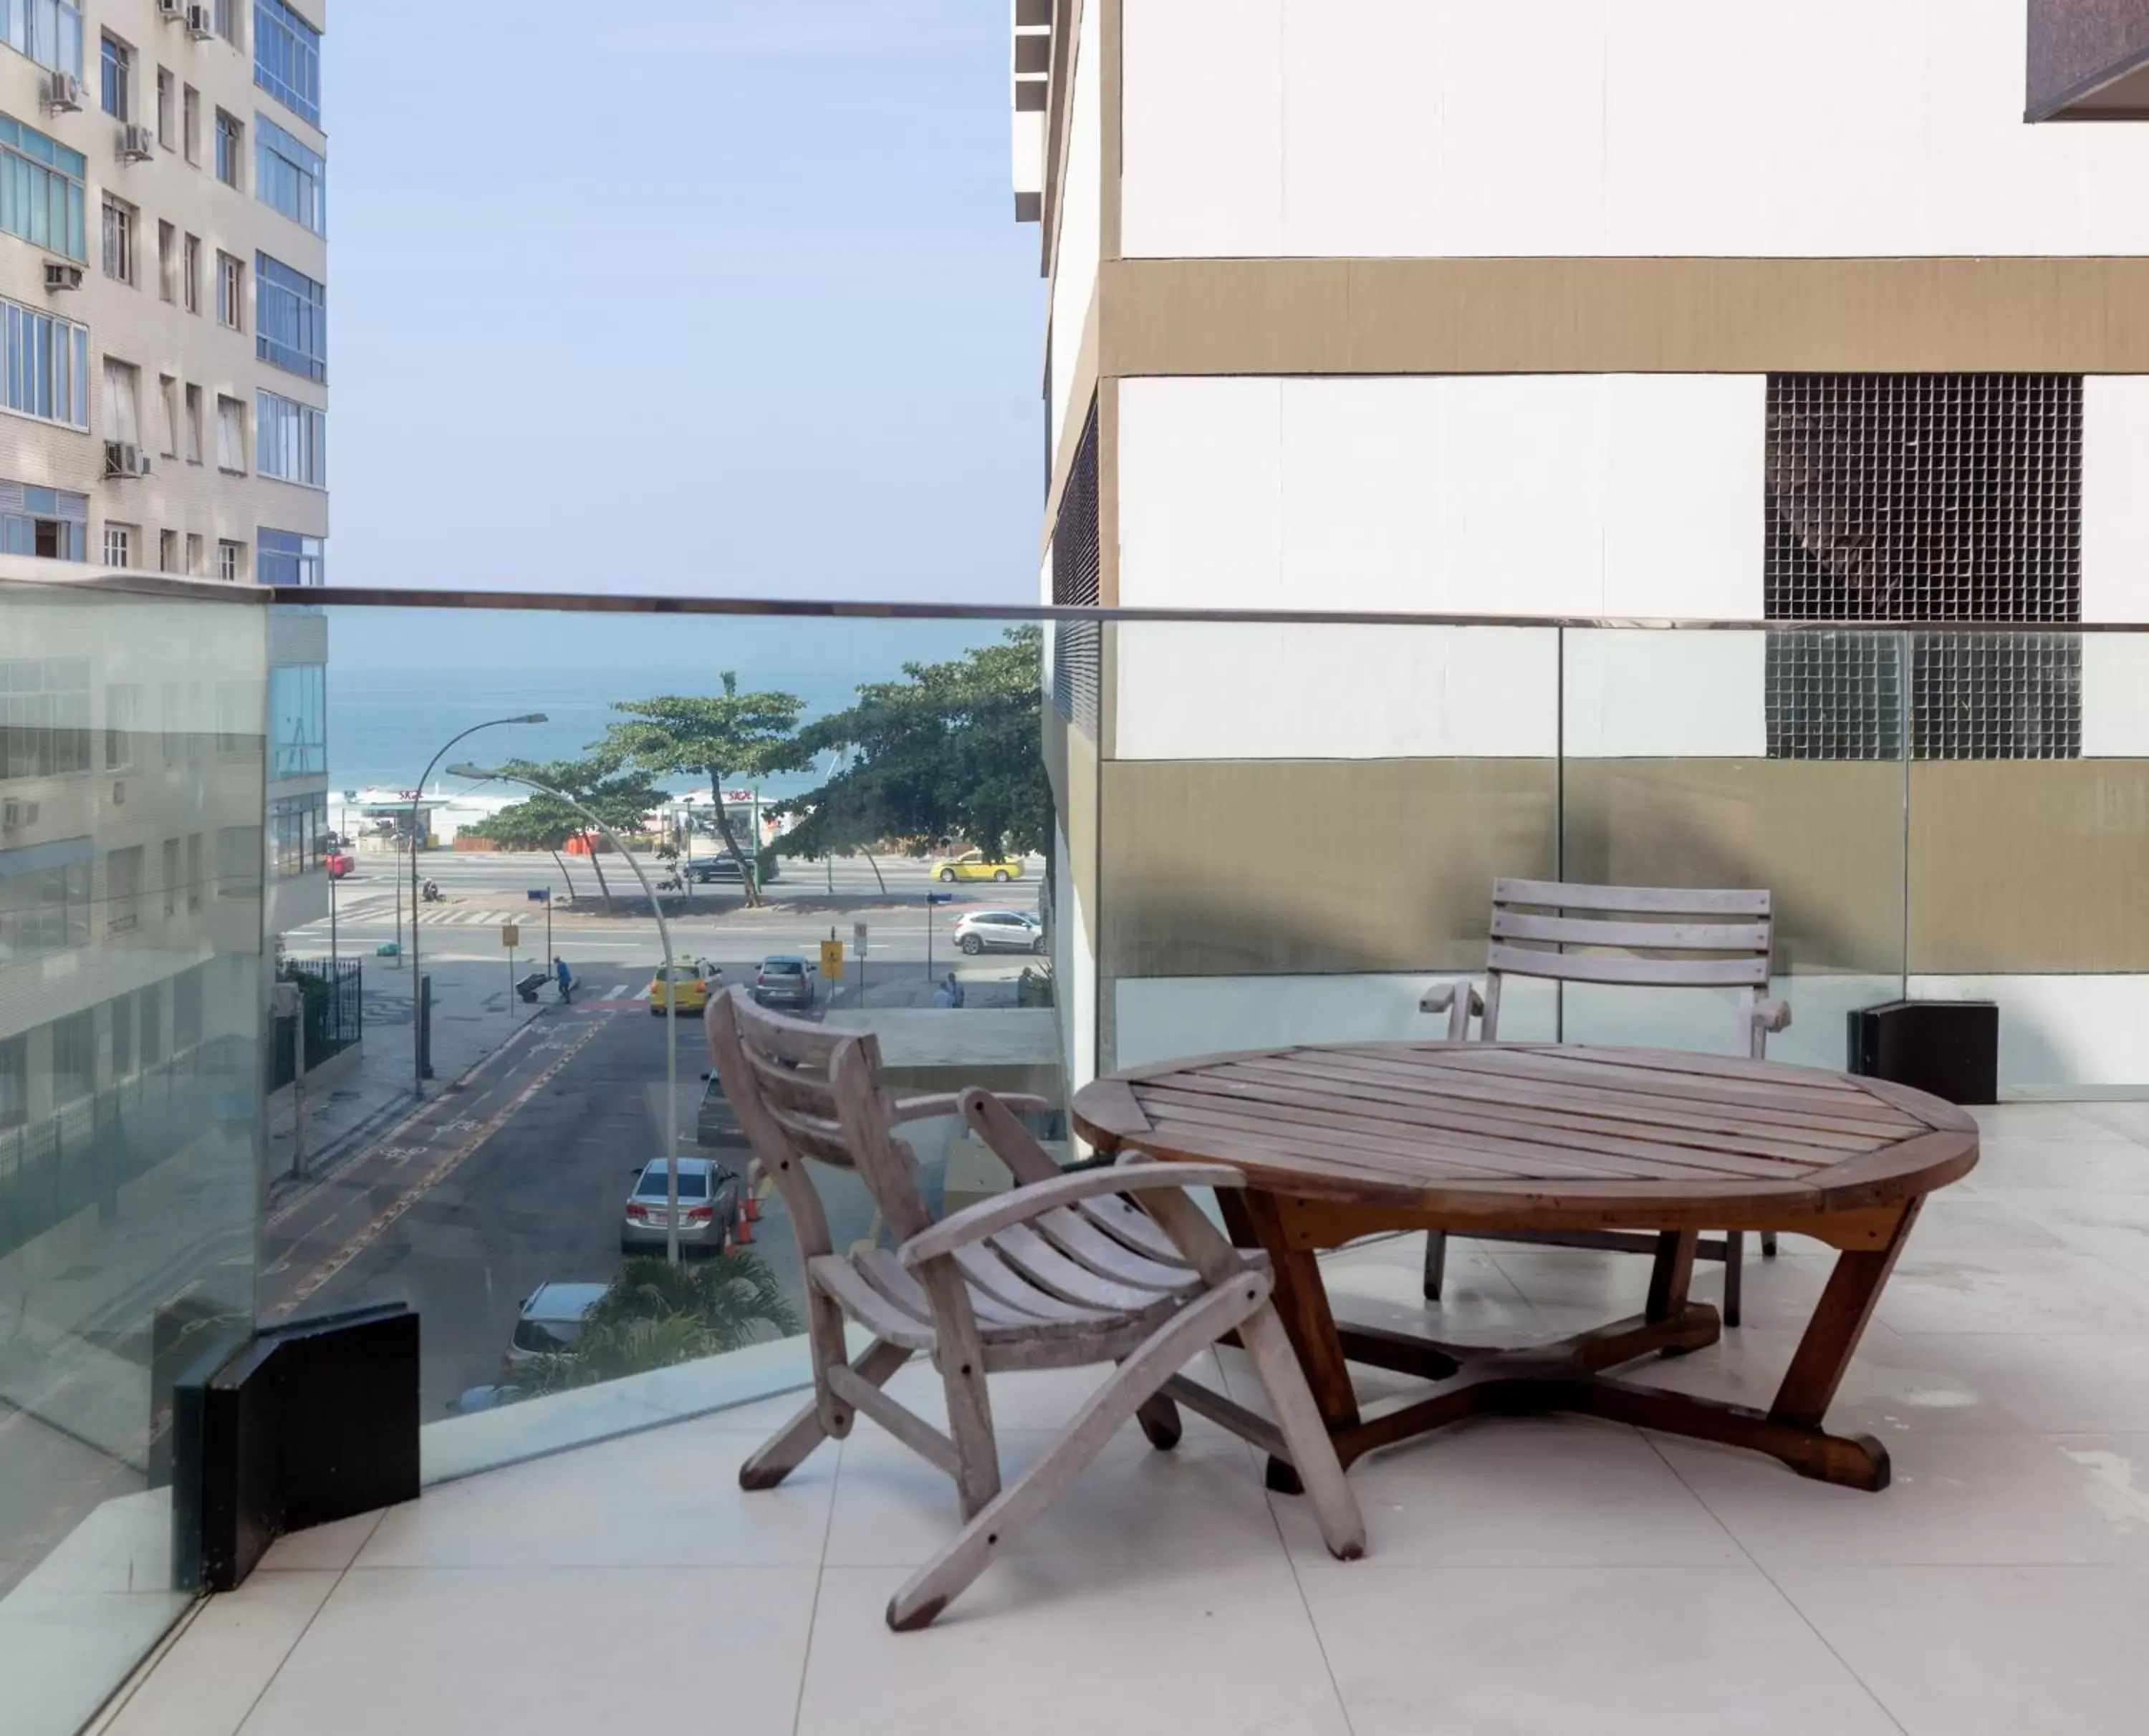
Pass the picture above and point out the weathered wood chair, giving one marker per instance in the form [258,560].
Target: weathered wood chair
[1639,936]
[1060,1272]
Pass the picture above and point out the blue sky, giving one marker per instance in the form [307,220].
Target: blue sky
[680,296]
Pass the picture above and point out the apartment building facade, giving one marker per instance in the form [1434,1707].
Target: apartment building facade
[1769,314]
[163,279]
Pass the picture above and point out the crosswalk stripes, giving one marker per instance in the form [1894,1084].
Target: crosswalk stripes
[618,992]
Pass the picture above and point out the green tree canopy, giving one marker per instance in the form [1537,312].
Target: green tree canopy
[720,737]
[618,795]
[952,750]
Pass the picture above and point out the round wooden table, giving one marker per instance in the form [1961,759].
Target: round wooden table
[1340,1142]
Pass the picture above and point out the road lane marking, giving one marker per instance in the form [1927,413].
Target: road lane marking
[431,1179]
[618,992]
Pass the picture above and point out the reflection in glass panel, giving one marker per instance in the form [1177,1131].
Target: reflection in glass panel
[130,1026]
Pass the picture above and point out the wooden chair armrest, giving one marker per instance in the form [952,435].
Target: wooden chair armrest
[950,1103]
[974,1223]
[1460,1009]
[993,1118]
[1772,1015]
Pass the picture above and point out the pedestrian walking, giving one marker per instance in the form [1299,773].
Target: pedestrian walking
[566,979]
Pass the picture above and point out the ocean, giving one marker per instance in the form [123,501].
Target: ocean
[402,682]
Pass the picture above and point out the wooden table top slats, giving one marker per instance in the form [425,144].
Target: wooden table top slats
[1418,1124]
[1680,1120]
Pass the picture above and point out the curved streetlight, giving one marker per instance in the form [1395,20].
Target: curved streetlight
[482,774]
[417,981]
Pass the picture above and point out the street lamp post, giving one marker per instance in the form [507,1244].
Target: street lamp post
[481,774]
[417,981]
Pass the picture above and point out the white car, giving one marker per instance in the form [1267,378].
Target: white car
[999,931]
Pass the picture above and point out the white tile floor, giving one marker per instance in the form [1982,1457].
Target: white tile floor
[1524,1575]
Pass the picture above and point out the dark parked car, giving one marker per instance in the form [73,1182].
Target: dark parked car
[709,869]
[785,980]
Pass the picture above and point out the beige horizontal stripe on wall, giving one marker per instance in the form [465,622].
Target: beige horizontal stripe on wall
[1603,316]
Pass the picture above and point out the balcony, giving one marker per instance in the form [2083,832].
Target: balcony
[1233,833]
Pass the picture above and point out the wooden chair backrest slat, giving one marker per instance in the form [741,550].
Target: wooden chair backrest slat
[1665,937]
[828,1103]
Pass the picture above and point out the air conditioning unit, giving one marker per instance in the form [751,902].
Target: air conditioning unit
[136,144]
[59,275]
[122,460]
[171,8]
[18,813]
[199,25]
[63,93]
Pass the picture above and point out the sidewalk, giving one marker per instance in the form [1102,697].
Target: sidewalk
[474,1013]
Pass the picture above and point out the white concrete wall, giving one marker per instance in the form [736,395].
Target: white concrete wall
[2061,1034]
[1573,127]
[1632,494]
[2115,498]
[1081,218]
[1231,689]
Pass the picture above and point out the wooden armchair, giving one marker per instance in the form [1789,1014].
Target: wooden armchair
[1647,936]
[1061,1272]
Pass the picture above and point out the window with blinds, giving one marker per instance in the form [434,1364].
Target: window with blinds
[1077,645]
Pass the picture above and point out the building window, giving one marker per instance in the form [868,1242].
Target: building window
[167,552]
[193,555]
[48,31]
[123,889]
[168,262]
[290,177]
[230,437]
[168,102]
[228,14]
[238,861]
[44,900]
[44,717]
[291,319]
[229,558]
[230,292]
[285,557]
[122,723]
[296,824]
[172,888]
[122,1013]
[190,123]
[42,198]
[118,544]
[230,144]
[190,273]
[116,61]
[287,58]
[1933,497]
[74,1058]
[1076,645]
[298,721]
[123,403]
[292,440]
[168,405]
[48,524]
[187,986]
[47,365]
[193,446]
[118,240]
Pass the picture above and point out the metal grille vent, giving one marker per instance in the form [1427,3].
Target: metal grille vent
[1076,644]
[1923,497]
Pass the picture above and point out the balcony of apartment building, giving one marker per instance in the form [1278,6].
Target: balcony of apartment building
[436,1433]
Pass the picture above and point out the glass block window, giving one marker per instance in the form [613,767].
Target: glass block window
[1923,498]
[1076,645]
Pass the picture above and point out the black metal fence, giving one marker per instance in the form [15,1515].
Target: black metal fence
[332,993]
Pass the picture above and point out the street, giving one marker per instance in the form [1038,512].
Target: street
[519,1172]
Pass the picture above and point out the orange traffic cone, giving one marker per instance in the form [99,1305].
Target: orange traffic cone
[751,1207]
[743,1231]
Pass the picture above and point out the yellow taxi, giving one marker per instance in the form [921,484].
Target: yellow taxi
[694,981]
[972,865]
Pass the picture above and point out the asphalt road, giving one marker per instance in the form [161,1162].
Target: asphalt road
[520,1176]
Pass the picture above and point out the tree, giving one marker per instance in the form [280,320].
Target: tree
[720,735]
[953,749]
[618,797]
[543,823]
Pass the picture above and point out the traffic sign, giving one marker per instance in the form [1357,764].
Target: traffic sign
[510,935]
[538,894]
[832,959]
[858,938]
